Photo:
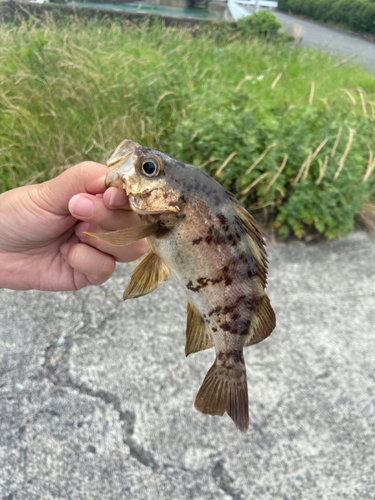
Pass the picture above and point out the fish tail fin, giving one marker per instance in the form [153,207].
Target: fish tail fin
[225,390]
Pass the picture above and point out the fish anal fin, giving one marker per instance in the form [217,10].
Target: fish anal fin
[225,390]
[147,276]
[262,323]
[124,237]
[198,335]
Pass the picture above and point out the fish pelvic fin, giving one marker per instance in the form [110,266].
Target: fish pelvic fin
[148,275]
[263,320]
[124,237]
[225,390]
[198,334]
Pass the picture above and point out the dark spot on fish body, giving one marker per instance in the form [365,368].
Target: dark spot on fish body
[228,309]
[197,240]
[231,357]
[217,280]
[180,216]
[231,239]
[226,327]
[228,280]
[235,316]
[190,286]
[203,282]
[214,329]
[165,195]
[222,218]
[215,311]
[208,239]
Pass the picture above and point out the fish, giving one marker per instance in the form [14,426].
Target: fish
[202,234]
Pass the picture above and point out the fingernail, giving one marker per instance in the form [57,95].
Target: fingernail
[81,206]
[64,248]
[112,198]
[81,229]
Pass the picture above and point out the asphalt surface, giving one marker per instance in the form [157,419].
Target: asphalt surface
[332,40]
[96,395]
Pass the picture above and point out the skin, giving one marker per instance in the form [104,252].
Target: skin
[42,240]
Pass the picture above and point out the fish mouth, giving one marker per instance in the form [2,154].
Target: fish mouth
[135,207]
[125,149]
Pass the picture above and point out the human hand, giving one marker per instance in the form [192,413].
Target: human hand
[42,240]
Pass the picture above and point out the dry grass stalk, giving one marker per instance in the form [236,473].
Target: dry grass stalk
[319,148]
[258,160]
[279,170]
[246,79]
[274,83]
[338,136]
[311,98]
[346,60]
[345,154]
[254,183]
[169,92]
[349,95]
[370,166]
[300,172]
[225,163]
[363,102]
[307,166]
[205,163]
[323,171]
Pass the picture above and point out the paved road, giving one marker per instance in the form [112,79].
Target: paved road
[96,395]
[332,40]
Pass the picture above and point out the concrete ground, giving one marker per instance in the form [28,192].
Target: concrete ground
[342,43]
[96,395]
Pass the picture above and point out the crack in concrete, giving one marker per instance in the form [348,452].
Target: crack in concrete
[57,372]
[223,480]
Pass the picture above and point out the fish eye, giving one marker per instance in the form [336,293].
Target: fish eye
[151,166]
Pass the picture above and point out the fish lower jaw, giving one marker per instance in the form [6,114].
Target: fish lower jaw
[139,211]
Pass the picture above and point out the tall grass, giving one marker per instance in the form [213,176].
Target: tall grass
[72,91]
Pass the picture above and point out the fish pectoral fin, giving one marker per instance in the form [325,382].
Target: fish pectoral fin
[225,390]
[124,237]
[148,275]
[198,335]
[262,322]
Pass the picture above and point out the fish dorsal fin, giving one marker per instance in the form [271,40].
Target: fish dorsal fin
[124,237]
[263,320]
[198,335]
[254,237]
[147,276]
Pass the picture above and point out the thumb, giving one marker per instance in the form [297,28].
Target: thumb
[87,177]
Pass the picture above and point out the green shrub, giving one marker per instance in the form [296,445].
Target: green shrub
[260,24]
[358,15]
[72,92]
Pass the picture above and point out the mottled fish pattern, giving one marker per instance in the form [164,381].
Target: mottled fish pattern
[199,232]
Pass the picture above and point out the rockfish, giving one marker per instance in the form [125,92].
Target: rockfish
[199,232]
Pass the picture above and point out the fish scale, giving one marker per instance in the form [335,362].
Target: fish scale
[202,234]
